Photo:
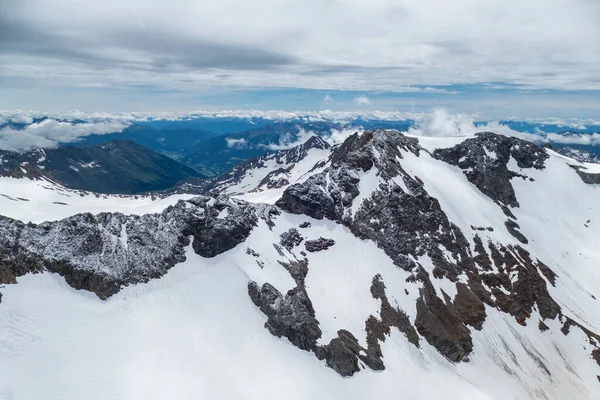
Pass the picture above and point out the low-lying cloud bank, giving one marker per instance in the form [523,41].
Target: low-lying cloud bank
[23,130]
[441,123]
[50,133]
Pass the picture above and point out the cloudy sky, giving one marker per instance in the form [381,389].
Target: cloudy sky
[524,58]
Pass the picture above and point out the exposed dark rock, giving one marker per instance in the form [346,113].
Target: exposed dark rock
[378,329]
[527,290]
[298,270]
[440,324]
[309,199]
[542,326]
[402,223]
[484,160]
[290,239]
[291,316]
[305,224]
[252,252]
[344,352]
[341,354]
[407,224]
[469,306]
[101,253]
[273,180]
[318,244]
[512,228]
[548,273]
[586,177]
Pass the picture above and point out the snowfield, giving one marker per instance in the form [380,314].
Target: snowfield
[43,200]
[195,332]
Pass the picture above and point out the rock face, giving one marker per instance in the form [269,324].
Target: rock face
[485,159]
[587,177]
[103,252]
[291,238]
[440,323]
[319,244]
[291,316]
[402,218]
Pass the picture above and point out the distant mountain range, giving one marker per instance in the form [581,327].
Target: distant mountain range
[117,166]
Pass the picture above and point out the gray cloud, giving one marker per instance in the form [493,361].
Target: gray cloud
[191,44]
[154,49]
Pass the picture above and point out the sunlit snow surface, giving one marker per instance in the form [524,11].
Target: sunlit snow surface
[195,333]
[42,200]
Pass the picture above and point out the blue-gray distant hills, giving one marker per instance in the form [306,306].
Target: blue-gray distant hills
[116,167]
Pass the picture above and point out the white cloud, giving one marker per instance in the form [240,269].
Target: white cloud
[362,100]
[328,99]
[236,143]
[21,119]
[438,91]
[338,136]
[441,123]
[583,139]
[288,140]
[50,133]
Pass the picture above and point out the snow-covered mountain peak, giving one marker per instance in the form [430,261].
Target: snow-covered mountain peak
[268,175]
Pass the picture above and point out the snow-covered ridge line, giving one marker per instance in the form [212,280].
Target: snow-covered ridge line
[103,252]
[272,172]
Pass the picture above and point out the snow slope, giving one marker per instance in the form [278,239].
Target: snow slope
[265,178]
[42,200]
[195,332]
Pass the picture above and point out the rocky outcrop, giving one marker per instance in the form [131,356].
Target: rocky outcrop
[291,238]
[513,229]
[291,316]
[101,253]
[319,244]
[484,161]
[586,177]
[440,323]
